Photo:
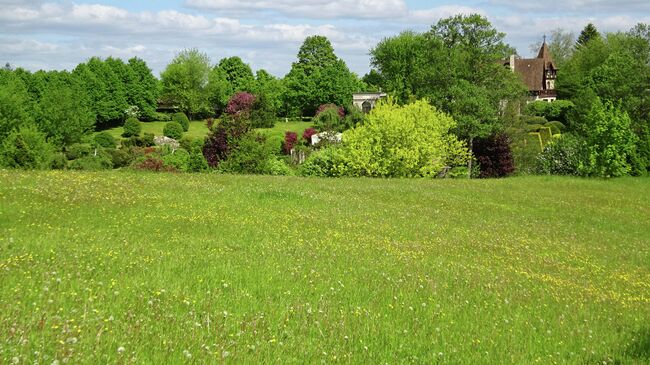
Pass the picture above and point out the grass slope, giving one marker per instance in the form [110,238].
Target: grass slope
[169,268]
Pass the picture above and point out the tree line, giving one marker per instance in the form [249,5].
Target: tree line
[599,128]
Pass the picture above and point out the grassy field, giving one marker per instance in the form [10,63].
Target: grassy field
[198,129]
[125,267]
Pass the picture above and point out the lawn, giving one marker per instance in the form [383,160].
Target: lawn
[198,129]
[123,267]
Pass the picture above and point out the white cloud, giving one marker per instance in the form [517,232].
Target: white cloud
[309,8]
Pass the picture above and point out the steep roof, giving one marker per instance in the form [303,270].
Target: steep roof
[532,69]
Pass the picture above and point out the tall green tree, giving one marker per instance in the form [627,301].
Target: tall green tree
[455,67]
[238,74]
[143,91]
[15,103]
[588,33]
[318,77]
[62,112]
[185,82]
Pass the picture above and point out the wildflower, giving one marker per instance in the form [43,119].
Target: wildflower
[187,354]
[120,349]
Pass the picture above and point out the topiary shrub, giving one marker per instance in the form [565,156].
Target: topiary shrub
[182,119]
[26,148]
[290,140]
[556,127]
[173,130]
[132,128]
[494,156]
[105,139]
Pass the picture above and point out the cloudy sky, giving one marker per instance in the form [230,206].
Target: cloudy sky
[51,34]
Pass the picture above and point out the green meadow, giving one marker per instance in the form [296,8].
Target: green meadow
[132,267]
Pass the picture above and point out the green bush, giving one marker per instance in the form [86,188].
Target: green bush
[26,148]
[413,140]
[105,139]
[178,159]
[59,162]
[78,150]
[147,140]
[197,162]
[323,163]
[181,119]
[251,155]
[278,167]
[101,161]
[173,130]
[120,158]
[144,141]
[132,128]
[162,117]
[329,120]
[557,110]
[565,155]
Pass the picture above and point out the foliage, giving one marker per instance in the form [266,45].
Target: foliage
[185,83]
[105,139]
[153,162]
[238,74]
[588,33]
[339,109]
[318,77]
[326,162]
[119,157]
[26,148]
[251,155]
[15,103]
[566,155]
[611,144]
[290,141]
[240,105]
[173,130]
[329,120]
[262,114]
[494,156]
[78,150]
[223,139]
[403,141]
[454,66]
[178,159]
[143,90]
[197,162]
[306,135]
[99,160]
[183,120]
[558,110]
[132,128]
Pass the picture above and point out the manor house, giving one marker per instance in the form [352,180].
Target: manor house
[538,74]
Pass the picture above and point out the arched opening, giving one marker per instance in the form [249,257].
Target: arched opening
[366,107]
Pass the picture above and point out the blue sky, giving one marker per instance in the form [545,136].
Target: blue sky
[52,34]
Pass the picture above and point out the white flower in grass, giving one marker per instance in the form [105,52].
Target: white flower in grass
[120,349]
